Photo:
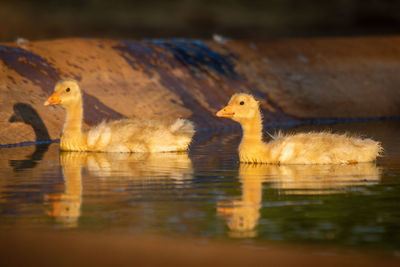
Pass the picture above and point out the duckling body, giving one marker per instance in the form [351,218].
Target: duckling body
[129,135]
[125,135]
[302,148]
[311,148]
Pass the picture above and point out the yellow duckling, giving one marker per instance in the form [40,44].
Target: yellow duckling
[125,135]
[302,148]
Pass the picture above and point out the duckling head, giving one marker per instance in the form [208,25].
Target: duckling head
[241,108]
[66,93]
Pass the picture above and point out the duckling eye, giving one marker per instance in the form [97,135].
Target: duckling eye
[67,90]
[241,103]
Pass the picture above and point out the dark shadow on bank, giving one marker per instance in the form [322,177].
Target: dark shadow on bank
[26,114]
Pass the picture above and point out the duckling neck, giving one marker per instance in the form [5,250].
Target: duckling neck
[252,131]
[252,148]
[73,120]
[72,136]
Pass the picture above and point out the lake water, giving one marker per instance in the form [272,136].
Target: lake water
[206,194]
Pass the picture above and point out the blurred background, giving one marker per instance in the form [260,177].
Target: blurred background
[239,19]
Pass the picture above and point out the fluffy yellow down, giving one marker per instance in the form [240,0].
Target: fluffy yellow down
[302,148]
[125,135]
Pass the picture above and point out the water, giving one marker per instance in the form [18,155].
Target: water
[207,194]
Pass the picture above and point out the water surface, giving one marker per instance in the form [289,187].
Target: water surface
[207,194]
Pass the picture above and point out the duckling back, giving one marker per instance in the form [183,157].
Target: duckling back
[132,135]
[322,148]
[178,138]
[183,127]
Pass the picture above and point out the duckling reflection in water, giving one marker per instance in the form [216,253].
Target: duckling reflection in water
[66,207]
[320,179]
[243,215]
[174,165]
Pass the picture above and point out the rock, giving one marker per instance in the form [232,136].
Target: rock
[166,79]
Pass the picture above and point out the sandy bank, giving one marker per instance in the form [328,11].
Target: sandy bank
[165,79]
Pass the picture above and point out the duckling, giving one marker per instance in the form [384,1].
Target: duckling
[302,148]
[125,135]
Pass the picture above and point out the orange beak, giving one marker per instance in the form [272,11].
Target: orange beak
[226,112]
[54,99]
[225,208]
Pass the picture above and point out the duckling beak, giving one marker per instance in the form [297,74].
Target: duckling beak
[226,112]
[54,99]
